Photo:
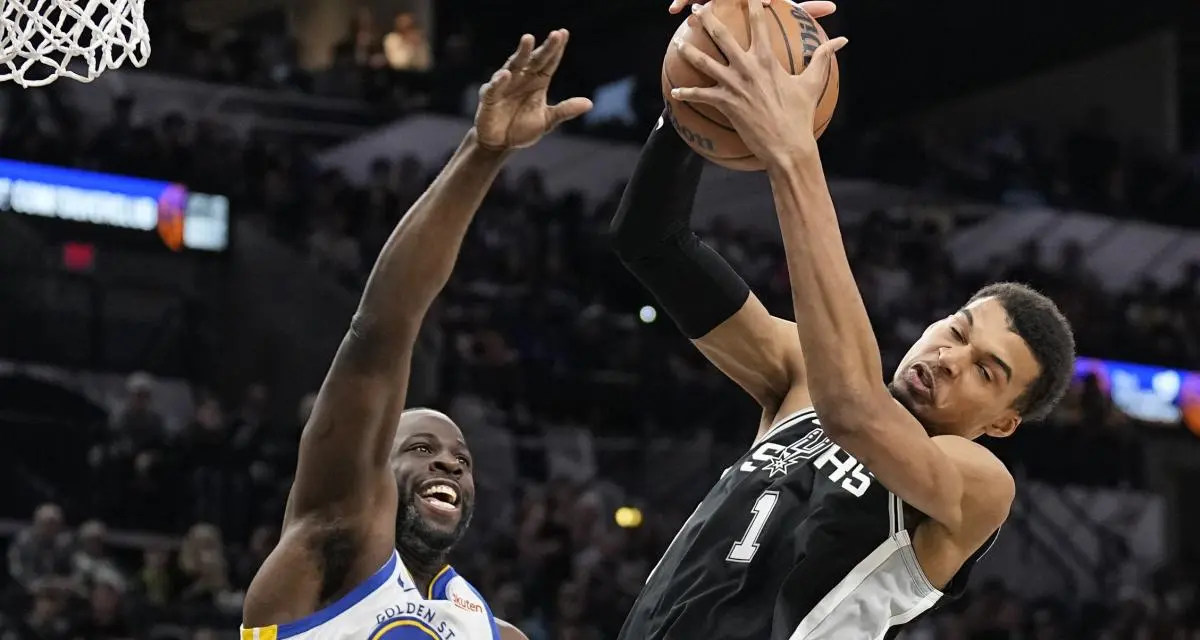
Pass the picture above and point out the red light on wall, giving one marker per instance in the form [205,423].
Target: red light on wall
[79,256]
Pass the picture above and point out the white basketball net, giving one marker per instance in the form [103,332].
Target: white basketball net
[43,40]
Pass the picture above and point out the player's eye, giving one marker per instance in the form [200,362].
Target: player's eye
[983,371]
[958,335]
[422,448]
[464,461]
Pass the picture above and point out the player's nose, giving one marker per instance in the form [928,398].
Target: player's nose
[446,464]
[950,360]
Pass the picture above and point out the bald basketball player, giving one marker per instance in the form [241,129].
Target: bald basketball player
[381,495]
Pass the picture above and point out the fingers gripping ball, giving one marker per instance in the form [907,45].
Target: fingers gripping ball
[794,38]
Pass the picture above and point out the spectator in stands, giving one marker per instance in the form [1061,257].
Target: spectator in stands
[91,561]
[206,443]
[158,580]
[343,78]
[365,40]
[138,424]
[150,496]
[205,569]
[250,424]
[46,616]
[405,45]
[106,617]
[42,550]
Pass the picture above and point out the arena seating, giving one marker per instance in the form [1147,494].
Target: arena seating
[536,338]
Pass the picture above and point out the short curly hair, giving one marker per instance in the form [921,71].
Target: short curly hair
[1038,321]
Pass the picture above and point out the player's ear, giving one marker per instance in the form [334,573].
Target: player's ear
[1005,425]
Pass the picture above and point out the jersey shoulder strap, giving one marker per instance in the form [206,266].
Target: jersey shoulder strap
[781,425]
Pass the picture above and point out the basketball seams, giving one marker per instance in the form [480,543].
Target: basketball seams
[787,43]
[836,81]
[713,128]
[724,58]
[710,156]
[691,107]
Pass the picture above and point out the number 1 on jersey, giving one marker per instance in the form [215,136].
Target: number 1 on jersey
[743,550]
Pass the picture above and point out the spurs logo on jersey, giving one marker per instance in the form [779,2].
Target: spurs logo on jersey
[777,459]
[841,467]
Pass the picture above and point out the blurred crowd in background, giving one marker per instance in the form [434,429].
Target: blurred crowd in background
[381,60]
[540,328]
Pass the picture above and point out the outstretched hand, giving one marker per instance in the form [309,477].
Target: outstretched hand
[513,111]
[771,109]
[815,8]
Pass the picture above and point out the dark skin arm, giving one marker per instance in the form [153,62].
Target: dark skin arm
[510,632]
[953,481]
[343,478]
[343,460]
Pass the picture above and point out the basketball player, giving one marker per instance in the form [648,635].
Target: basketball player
[859,505]
[380,494]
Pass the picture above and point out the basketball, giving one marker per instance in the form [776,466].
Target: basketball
[794,37]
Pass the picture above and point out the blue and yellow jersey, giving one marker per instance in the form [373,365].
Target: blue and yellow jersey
[388,606]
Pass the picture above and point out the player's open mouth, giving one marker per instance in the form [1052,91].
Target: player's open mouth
[439,494]
[920,379]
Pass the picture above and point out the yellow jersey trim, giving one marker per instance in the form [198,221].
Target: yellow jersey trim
[260,633]
[439,574]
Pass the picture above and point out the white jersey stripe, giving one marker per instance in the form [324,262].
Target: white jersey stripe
[885,589]
[896,512]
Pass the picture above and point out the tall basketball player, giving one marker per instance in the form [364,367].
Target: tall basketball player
[381,494]
[860,504]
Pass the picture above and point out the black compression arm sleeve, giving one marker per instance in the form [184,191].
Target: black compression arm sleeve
[651,235]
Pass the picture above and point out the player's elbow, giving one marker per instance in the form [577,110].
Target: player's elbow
[628,245]
[364,326]
[847,414]
[377,329]
[635,243]
[371,344]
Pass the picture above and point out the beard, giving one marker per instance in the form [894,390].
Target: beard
[419,537]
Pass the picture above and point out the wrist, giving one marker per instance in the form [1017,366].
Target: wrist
[482,151]
[793,159]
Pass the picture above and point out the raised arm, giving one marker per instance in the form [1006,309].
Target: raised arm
[705,297]
[773,112]
[938,476]
[343,470]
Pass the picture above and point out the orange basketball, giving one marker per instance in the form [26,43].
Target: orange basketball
[704,128]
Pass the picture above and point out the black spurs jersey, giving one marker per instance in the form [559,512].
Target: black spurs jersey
[797,541]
